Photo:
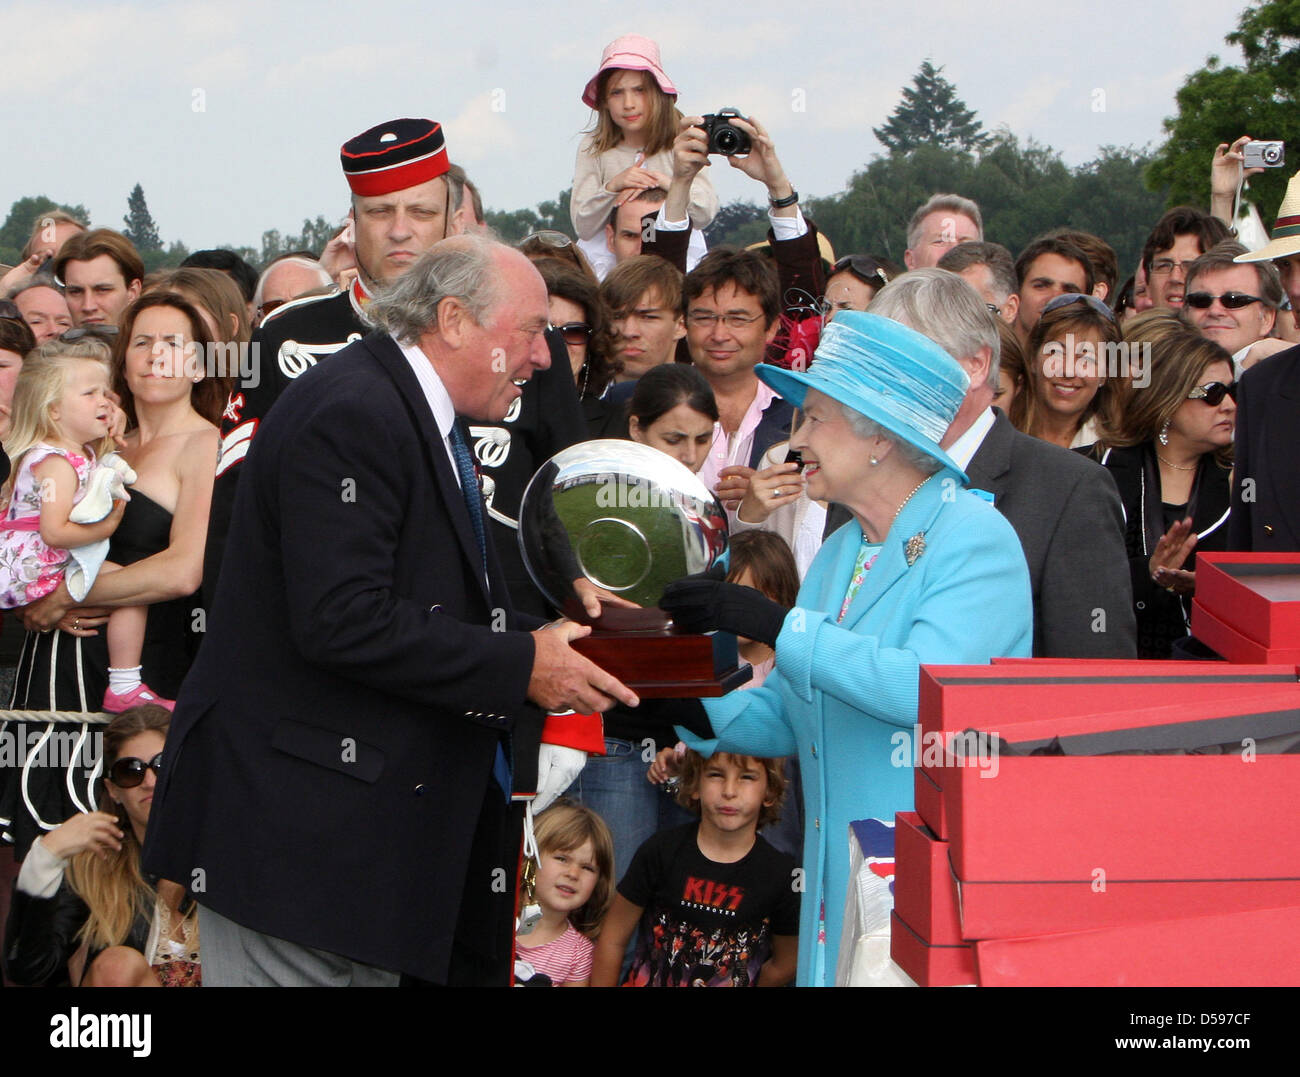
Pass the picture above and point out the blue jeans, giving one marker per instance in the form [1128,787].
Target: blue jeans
[614,786]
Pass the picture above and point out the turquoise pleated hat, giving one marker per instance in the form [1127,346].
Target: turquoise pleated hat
[891,374]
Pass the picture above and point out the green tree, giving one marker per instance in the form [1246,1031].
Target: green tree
[931,114]
[1218,104]
[139,224]
[735,222]
[23,215]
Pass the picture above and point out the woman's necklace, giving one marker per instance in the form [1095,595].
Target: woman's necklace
[1167,463]
[911,495]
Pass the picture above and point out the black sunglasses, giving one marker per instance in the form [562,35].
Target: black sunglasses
[574,333]
[1213,393]
[862,266]
[128,772]
[1231,300]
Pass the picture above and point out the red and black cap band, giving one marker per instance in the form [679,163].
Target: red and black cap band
[394,156]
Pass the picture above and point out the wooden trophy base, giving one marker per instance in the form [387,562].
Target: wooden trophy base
[643,650]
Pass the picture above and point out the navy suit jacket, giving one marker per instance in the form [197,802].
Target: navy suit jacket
[333,744]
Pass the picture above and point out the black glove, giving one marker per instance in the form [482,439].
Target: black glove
[699,604]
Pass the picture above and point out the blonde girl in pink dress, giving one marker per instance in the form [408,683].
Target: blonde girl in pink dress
[62,412]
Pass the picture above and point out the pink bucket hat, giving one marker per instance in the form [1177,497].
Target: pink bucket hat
[631,52]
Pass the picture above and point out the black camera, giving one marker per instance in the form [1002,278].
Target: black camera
[724,136]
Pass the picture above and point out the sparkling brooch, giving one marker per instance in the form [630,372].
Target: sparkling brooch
[914,548]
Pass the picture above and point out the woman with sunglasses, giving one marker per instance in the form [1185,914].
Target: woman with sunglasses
[1170,454]
[578,312]
[83,914]
[854,280]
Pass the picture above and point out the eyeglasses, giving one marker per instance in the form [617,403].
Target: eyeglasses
[1078,297]
[1161,266]
[128,772]
[574,333]
[703,319]
[269,305]
[862,266]
[1213,393]
[1231,300]
[994,309]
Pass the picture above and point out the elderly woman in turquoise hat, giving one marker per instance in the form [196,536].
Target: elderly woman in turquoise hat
[926,572]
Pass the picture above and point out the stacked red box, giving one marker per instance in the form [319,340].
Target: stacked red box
[1095,694]
[925,936]
[1049,857]
[1247,606]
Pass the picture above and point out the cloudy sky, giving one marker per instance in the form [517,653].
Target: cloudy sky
[231,114]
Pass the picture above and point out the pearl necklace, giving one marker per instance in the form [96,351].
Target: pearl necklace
[910,496]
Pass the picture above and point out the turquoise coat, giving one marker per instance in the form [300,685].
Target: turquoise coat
[844,695]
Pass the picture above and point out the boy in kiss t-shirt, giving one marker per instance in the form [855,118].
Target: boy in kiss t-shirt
[716,904]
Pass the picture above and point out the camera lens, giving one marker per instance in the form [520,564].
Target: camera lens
[727,140]
[1272,154]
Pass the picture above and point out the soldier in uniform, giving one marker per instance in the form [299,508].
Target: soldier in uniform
[403,202]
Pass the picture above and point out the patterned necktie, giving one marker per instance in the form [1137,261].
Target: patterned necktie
[469,488]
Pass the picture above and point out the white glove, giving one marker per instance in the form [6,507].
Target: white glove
[557,766]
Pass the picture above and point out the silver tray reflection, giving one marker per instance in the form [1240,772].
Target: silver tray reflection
[625,516]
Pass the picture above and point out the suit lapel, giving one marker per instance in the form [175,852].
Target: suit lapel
[394,363]
[991,463]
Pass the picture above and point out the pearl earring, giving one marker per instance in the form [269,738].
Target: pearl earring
[874,461]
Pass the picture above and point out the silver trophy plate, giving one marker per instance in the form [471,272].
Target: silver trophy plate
[627,517]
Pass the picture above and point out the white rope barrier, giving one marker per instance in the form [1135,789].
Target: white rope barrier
[83,717]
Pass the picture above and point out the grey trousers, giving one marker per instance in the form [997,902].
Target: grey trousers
[237,956]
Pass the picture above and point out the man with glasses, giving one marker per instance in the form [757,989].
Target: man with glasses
[1234,305]
[988,268]
[733,304]
[1179,238]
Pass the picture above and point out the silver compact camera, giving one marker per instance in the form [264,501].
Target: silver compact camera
[1263,154]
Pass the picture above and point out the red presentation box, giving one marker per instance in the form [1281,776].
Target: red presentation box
[1081,696]
[1255,594]
[929,804]
[1240,949]
[1234,645]
[929,965]
[925,891]
[1069,843]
